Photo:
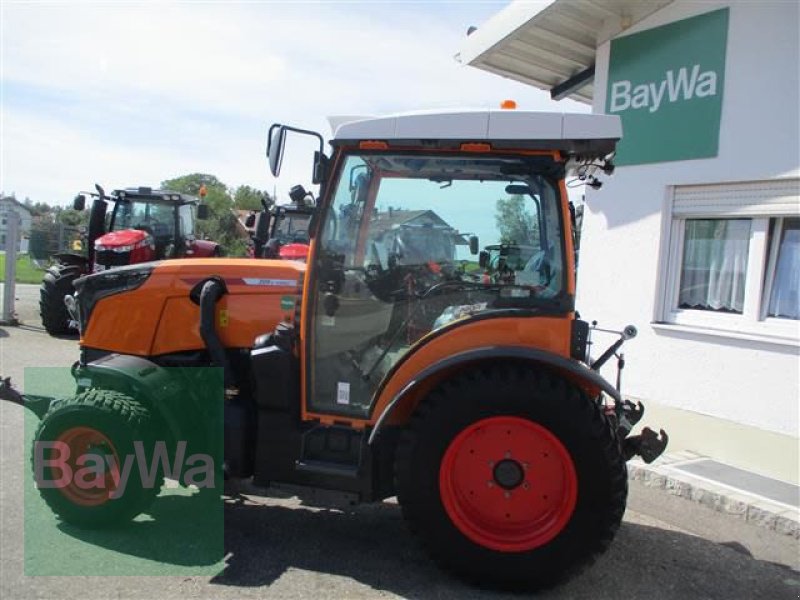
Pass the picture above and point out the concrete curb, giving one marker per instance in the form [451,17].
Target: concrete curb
[739,504]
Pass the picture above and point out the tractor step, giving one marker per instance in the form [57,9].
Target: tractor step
[320,467]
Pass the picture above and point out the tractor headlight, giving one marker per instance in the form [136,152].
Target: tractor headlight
[91,288]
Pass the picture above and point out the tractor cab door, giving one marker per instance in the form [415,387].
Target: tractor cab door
[397,257]
[347,315]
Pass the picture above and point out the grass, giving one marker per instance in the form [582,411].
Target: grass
[26,270]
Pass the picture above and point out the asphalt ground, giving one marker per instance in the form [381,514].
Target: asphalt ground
[289,546]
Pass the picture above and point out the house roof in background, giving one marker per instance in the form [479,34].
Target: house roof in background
[17,203]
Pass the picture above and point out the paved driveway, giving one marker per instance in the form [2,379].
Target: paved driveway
[286,546]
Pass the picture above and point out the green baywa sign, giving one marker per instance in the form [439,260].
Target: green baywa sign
[666,84]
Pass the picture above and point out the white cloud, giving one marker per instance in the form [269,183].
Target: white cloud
[136,93]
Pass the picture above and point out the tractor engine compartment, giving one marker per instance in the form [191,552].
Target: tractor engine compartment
[149,310]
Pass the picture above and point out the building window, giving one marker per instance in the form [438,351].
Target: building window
[733,259]
[783,274]
[714,266]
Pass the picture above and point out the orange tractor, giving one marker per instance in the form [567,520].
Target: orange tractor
[388,364]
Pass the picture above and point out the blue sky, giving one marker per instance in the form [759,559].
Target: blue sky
[133,93]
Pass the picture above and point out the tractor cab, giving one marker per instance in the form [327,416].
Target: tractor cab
[281,230]
[146,225]
[413,232]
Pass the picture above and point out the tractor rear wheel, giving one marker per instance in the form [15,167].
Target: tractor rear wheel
[511,477]
[56,284]
[79,453]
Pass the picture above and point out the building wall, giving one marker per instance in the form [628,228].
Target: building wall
[25,223]
[749,381]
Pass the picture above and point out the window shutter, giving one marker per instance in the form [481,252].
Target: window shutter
[752,199]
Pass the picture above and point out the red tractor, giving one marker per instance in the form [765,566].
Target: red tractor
[281,231]
[142,225]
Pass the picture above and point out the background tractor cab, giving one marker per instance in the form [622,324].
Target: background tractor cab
[281,231]
[144,225]
[140,225]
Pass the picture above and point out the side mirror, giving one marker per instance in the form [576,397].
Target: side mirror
[275,144]
[473,244]
[320,168]
[79,203]
[250,220]
[202,212]
[483,259]
[518,189]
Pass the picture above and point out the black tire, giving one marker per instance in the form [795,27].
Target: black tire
[508,393]
[56,284]
[122,421]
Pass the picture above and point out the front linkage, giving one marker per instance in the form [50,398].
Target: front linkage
[648,444]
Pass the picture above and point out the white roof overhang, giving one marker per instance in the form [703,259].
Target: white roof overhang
[552,44]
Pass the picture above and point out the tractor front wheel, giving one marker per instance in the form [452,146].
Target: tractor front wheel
[512,477]
[56,284]
[80,453]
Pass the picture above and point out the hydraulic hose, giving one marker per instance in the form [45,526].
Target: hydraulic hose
[212,291]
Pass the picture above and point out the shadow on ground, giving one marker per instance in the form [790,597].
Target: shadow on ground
[372,545]
[180,530]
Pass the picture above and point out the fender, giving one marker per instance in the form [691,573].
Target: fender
[68,258]
[179,408]
[576,369]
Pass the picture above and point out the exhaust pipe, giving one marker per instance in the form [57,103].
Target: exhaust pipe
[213,289]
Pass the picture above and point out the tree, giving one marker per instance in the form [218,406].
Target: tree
[217,196]
[221,224]
[37,208]
[71,217]
[248,198]
[515,223]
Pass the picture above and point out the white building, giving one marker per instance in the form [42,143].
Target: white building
[696,237]
[8,204]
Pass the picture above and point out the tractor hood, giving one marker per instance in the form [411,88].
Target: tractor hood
[160,315]
[295,251]
[122,238]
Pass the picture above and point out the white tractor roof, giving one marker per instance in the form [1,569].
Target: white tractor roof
[479,125]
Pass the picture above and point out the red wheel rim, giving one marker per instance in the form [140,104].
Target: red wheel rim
[508,484]
[83,441]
